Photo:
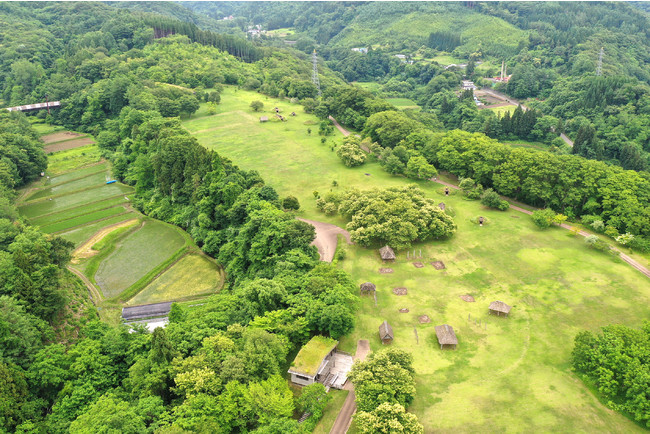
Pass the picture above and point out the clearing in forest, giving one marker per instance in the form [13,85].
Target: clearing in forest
[554,283]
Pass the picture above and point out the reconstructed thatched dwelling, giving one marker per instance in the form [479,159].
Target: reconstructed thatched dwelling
[387,254]
[446,336]
[368,288]
[499,307]
[386,333]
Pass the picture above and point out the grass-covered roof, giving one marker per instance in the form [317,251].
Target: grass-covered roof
[312,354]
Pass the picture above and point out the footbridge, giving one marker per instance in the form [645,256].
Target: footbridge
[30,107]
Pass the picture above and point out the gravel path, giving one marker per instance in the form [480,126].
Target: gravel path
[622,255]
[344,419]
[326,238]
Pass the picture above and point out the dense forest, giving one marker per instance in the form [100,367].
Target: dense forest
[127,76]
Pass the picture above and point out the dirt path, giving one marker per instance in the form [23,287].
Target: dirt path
[86,249]
[344,419]
[95,296]
[339,127]
[503,97]
[326,238]
[635,264]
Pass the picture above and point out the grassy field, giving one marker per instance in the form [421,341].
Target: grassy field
[331,411]
[513,375]
[82,233]
[193,275]
[136,255]
[370,86]
[404,103]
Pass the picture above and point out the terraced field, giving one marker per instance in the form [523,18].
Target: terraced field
[74,201]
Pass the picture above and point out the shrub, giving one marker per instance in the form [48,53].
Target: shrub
[598,226]
[351,154]
[491,199]
[291,202]
[611,231]
[543,218]
[596,243]
[588,219]
[625,239]
[257,105]
[640,244]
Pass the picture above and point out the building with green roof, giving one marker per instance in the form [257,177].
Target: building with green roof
[312,364]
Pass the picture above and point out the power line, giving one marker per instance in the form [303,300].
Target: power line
[599,68]
[314,74]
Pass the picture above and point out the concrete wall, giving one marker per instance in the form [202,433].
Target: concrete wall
[302,380]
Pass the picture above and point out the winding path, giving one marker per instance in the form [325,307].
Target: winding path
[327,238]
[635,264]
[339,127]
[344,419]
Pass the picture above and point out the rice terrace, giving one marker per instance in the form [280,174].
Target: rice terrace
[123,256]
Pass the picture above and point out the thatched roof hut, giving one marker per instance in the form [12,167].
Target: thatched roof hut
[264,118]
[446,335]
[386,333]
[499,308]
[441,205]
[368,287]
[387,253]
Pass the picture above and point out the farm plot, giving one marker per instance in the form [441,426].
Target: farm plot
[139,253]
[93,180]
[60,203]
[404,103]
[83,219]
[80,234]
[76,174]
[507,374]
[47,219]
[193,275]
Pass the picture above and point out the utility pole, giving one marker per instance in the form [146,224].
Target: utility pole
[599,68]
[314,74]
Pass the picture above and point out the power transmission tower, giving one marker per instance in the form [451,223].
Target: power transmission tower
[314,74]
[599,68]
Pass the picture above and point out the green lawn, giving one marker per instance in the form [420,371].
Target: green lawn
[513,376]
[140,252]
[404,103]
[191,276]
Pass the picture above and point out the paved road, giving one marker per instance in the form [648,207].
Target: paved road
[567,140]
[326,238]
[622,255]
[344,419]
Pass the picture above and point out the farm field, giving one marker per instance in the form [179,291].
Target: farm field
[139,253]
[193,275]
[75,202]
[502,110]
[508,374]
[404,103]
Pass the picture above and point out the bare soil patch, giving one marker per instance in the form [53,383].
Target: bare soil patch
[68,144]
[439,265]
[403,310]
[385,270]
[418,265]
[326,238]
[60,136]
[424,319]
[86,249]
[467,298]
[400,291]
